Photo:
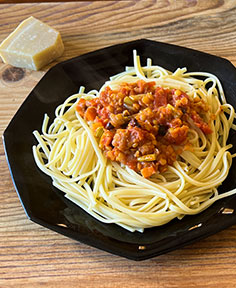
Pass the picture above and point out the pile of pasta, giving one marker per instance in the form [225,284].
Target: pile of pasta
[68,152]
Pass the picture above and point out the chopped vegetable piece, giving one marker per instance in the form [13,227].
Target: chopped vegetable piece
[149,157]
[99,132]
[90,114]
[148,171]
[128,101]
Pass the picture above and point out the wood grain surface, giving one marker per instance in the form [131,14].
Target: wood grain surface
[32,256]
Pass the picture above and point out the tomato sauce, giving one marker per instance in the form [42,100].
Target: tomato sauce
[143,126]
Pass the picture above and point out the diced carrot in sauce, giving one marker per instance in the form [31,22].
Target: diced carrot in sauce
[148,171]
[90,114]
[96,125]
[81,107]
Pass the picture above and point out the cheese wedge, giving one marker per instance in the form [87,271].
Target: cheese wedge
[32,45]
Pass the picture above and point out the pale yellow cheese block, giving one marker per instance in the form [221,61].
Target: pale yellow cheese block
[31,45]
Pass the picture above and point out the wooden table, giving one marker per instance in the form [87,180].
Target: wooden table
[32,256]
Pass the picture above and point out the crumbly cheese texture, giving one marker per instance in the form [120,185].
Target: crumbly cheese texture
[33,44]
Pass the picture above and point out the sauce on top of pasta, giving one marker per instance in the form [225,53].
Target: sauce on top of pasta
[143,126]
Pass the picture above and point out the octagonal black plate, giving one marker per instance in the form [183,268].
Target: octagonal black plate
[47,206]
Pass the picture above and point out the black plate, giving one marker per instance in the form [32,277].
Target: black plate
[47,206]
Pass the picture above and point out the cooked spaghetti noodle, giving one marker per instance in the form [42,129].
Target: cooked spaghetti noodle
[68,151]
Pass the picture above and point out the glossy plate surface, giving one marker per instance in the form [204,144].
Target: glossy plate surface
[45,205]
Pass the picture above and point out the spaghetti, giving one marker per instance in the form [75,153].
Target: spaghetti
[108,187]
